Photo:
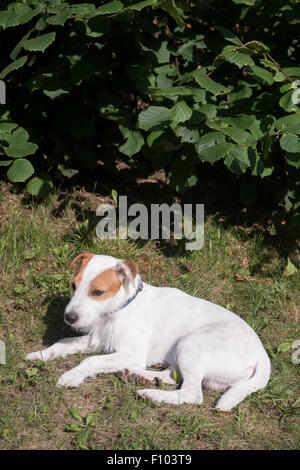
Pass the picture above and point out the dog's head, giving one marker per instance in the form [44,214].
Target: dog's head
[101,286]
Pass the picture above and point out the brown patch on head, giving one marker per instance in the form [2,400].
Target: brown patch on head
[127,270]
[133,269]
[85,257]
[105,285]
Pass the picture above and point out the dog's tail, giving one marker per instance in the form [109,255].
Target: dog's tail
[238,392]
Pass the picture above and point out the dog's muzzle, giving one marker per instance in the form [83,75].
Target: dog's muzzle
[71,317]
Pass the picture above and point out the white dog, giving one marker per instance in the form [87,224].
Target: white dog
[137,325]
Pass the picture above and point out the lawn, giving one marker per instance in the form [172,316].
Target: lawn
[241,271]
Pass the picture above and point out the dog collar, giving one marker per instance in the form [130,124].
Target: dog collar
[140,287]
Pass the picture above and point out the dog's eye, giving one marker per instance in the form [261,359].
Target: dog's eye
[97,293]
[73,286]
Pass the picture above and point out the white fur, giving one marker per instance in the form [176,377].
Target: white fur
[208,344]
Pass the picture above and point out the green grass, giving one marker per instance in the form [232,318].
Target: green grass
[242,273]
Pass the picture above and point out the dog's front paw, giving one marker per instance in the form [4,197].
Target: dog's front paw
[70,379]
[34,356]
[152,394]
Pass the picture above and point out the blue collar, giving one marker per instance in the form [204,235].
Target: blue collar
[140,287]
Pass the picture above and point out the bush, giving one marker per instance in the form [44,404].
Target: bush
[175,83]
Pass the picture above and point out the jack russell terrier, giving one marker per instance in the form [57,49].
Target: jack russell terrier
[137,325]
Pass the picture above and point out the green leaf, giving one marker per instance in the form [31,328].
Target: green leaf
[228,35]
[82,438]
[181,112]
[25,13]
[238,135]
[256,46]
[266,146]
[217,152]
[286,102]
[186,134]
[60,18]
[20,171]
[293,159]
[260,75]
[31,372]
[209,140]
[289,124]
[163,53]
[242,92]
[90,420]
[7,127]
[153,136]
[17,64]
[177,376]
[170,7]
[290,143]
[259,167]
[243,121]
[172,92]
[18,136]
[112,7]
[16,50]
[256,130]
[5,162]
[52,86]
[209,110]
[39,43]
[283,347]
[237,160]
[72,427]
[75,413]
[40,187]
[206,82]
[188,48]
[293,72]
[20,289]
[233,56]
[9,18]
[155,118]
[198,94]
[290,268]
[21,149]
[133,145]
[140,5]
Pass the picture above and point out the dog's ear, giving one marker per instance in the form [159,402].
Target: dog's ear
[85,257]
[127,271]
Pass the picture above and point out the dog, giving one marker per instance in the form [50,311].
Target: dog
[137,325]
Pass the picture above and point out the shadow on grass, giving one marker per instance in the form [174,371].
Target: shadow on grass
[217,190]
[56,329]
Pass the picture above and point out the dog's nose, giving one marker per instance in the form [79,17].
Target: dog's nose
[71,317]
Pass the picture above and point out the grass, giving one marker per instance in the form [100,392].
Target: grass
[240,272]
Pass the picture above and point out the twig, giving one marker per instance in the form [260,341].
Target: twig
[277,65]
[271,58]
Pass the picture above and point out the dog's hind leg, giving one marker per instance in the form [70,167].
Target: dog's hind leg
[192,375]
[186,394]
[237,392]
